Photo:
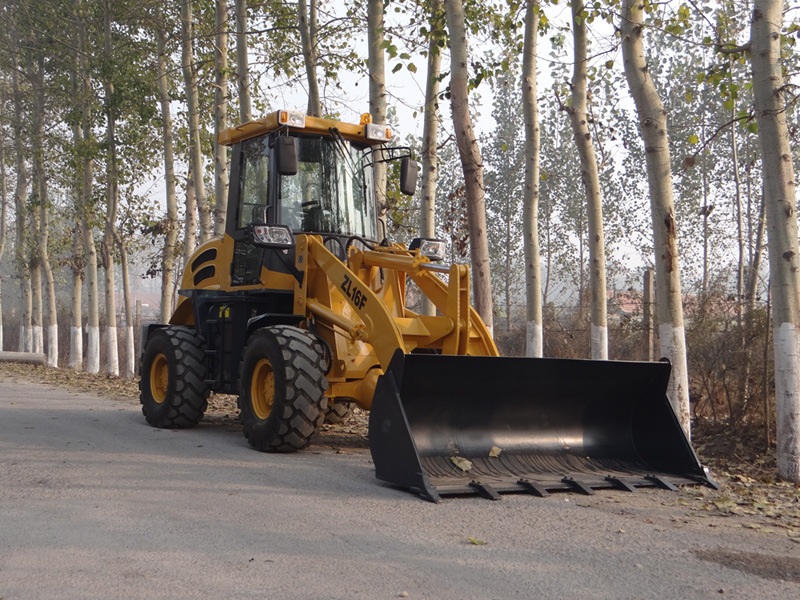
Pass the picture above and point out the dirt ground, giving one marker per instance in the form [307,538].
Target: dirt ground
[750,497]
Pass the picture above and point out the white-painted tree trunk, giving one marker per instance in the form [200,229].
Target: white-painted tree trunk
[112,350]
[130,348]
[38,339]
[653,127]
[770,101]
[76,348]
[590,177]
[52,346]
[25,342]
[534,340]
[93,349]
[534,336]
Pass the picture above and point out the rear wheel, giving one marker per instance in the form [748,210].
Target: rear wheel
[172,384]
[336,412]
[282,389]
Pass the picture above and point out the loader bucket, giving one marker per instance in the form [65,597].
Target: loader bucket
[531,425]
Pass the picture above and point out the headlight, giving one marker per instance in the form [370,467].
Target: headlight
[292,118]
[274,236]
[432,249]
[380,133]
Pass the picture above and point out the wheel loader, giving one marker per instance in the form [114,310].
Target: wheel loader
[301,310]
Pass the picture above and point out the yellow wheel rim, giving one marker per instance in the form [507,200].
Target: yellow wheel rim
[262,389]
[159,378]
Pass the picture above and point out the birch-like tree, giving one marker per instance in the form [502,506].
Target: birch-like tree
[242,62]
[652,119]
[220,115]
[534,338]
[471,161]
[430,133]
[376,67]
[590,176]
[771,100]
[170,226]
[197,189]
[307,25]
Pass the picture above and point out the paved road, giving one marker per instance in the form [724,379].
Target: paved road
[96,504]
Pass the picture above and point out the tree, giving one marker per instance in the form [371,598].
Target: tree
[430,133]
[653,127]
[376,66]
[220,115]
[198,190]
[590,177]
[781,202]
[534,339]
[3,195]
[242,62]
[307,16]
[471,161]
[170,222]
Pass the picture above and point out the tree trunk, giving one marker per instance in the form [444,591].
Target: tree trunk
[84,208]
[430,135]
[784,254]
[76,312]
[190,223]
[242,63]
[3,209]
[591,184]
[170,253]
[36,299]
[130,352]
[307,25]
[653,127]
[220,116]
[471,162]
[40,183]
[112,202]
[193,118]
[534,338]
[755,263]
[376,66]
[21,220]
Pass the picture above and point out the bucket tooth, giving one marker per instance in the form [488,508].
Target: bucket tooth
[662,482]
[621,483]
[533,487]
[485,490]
[578,486]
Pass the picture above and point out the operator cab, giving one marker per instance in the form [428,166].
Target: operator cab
[293,174]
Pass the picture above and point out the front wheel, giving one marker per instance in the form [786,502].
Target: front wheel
[172,387]
[282,389]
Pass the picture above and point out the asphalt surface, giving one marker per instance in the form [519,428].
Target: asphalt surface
[96,504]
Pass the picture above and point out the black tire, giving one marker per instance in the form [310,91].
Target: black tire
[282,389]
[336,412]
[172,385]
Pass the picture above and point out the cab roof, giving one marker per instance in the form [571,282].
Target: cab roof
[300,123]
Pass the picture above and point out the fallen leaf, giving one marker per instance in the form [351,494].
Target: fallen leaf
[494,451]
[461,463]
[476,542]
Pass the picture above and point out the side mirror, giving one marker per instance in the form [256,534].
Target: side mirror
[286,155]
[408,176]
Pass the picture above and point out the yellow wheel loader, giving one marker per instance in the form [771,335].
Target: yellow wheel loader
[300,310]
